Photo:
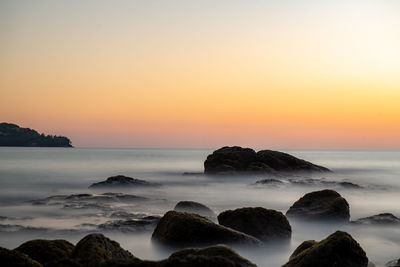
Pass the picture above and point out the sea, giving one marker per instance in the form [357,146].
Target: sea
[44,193]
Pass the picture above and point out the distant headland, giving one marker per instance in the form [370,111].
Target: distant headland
[13,135]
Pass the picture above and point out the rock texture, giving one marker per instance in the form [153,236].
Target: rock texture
[180,229]
[219,255]
[12,258]
[303,246]
[338,249]
[324,205]
[122,181]
[265,224]
[382,219]
[228,160]
[96,248]
[194,207]
[47,251]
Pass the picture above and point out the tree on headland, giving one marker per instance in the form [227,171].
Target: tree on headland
[13,135]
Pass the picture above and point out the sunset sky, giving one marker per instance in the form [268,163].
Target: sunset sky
[266,74]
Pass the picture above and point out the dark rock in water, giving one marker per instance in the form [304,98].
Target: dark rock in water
[269,182]
[46,251]
[228,160]
[393,263]
[12,258]
[3,218]
[179,229]
[262,223]
[303,246]
[324,205]
[133,225]
[382,219]
[21,228]
[338,249]
[194,207]
[94,249]
[220,255]
[122,181]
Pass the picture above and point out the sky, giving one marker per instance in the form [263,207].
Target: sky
[203,74]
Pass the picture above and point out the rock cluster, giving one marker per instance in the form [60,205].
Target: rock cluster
[122,181]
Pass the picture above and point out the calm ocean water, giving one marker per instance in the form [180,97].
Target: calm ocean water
[28,174]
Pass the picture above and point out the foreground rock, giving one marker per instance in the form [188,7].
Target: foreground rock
[324,205]
[262,223]
[194,207]
[220,255]
[381,219]
[122,181]
[241,160]
[12,258]
[338,249]
[95,249]
[47,251]
[303,246]
[179,229]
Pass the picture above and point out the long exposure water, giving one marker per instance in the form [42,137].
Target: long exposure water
[28,174]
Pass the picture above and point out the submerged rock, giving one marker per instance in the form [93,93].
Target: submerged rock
[95,249]
[382,219]
[308,182]
[133,225]
[324,205]
[338,249]
[122,181]
[46,251]
[220,255]
[194,207]
[393,263]
[262,223]
[237,159]
[180,229]
[12,258]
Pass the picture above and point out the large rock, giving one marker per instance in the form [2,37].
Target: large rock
[194,207]
[220,255]
[180,229]
[324,205]
[379,219]
[238,160]
[262,223]
[122,181]
[96,248]
[46,251]
[13,258]
[338,249]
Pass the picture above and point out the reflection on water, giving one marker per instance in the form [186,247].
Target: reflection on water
[36,173]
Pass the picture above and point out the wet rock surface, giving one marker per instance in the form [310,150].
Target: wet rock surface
[219,255]
[46,251]
[264,224]
[95,249]
[307,182]
[324,205]
[179,229]
[194,207]
[228,160]
[121,181]
[12,258]
[338,249]
[379,219]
